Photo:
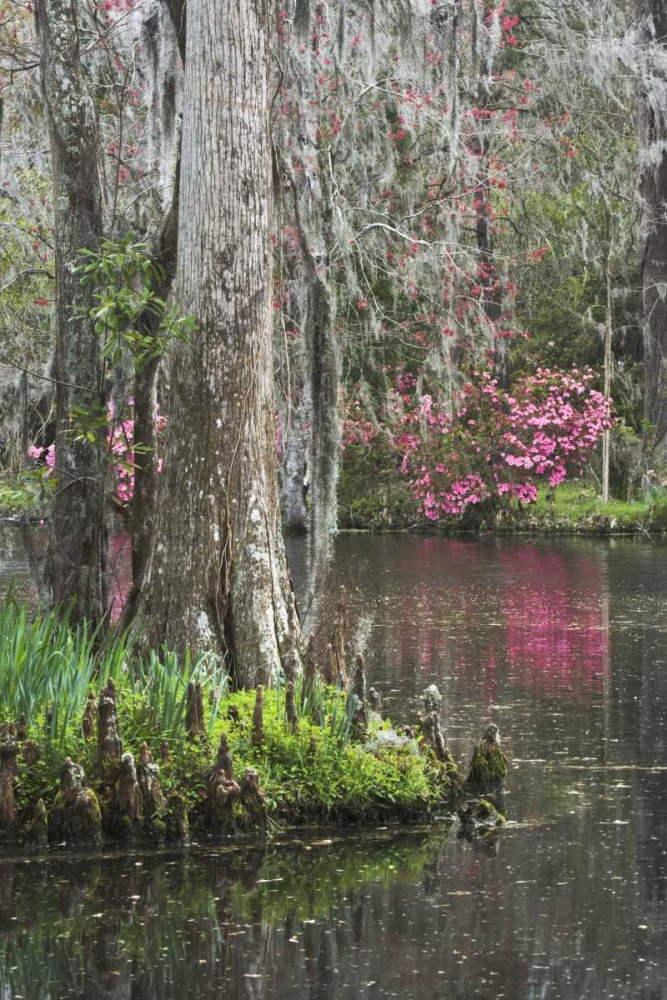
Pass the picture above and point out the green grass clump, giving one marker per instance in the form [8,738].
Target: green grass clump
[579,507]
[318,774]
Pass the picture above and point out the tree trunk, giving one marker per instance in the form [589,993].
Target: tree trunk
[76,563]
[323,364]
[652,146]
[145,400]
[164,250]
[178,11]
[324,390]
[295,466]
[217,577]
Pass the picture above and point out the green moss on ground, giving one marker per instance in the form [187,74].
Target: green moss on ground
[376,497]
[577,507]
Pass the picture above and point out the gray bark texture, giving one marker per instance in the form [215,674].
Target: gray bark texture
[76,563]
[295,466]
[652,189]
[161,33]
[216,578]
[323,372]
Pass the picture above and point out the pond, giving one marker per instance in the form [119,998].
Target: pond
[564,645]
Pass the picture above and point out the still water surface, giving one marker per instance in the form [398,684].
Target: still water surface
[564,645]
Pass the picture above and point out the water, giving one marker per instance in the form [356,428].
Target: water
[563,644]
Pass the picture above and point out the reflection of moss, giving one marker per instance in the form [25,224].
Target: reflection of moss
[326,873]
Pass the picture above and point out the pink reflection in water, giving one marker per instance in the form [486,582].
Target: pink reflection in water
[556,622]
[495,617]
[523,616]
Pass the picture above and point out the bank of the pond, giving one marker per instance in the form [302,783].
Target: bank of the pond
[99,743]
[571,509]
[387,505]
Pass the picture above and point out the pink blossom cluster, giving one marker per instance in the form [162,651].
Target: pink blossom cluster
[47,455]
[558,417]
[120,441]
[496,448]
[501,444]
[356,428]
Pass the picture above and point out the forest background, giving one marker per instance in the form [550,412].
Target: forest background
[469,255]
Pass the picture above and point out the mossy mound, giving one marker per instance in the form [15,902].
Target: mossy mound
[312,773]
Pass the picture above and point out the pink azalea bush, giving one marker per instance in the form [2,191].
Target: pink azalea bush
[497,446]
[501,445]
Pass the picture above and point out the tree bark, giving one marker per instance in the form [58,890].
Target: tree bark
[217,576]
[652,185]
[164,250]
[145,401]
[323,374]
[76,563]
[608,364]
[295,465]
[178,11]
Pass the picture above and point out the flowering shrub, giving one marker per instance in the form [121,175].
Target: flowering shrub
[500,445]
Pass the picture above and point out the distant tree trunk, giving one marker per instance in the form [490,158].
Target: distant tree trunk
[291,359]
[487,268]
[652,145]
[324,373]
[76,563]
[295,466]
[161,35]
[608,365]
[323,367]
[217,577]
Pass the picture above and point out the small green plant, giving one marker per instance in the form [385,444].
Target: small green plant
[125,276]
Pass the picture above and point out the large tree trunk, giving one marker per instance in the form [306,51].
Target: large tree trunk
[652,146]
[76,564]
[217,576]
